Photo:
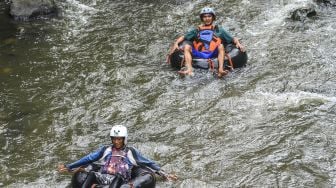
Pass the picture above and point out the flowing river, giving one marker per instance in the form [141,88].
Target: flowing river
[65,81]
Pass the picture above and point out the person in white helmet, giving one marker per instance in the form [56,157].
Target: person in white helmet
[206,41]
[121,165]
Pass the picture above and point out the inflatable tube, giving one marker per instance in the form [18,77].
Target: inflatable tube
[238,59]
[78,179]
[140,179]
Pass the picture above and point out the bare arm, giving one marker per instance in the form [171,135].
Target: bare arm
[176,43]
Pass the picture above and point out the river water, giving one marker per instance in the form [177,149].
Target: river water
[65,81]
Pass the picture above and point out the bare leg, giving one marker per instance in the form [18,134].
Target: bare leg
[221,53]
[188,60]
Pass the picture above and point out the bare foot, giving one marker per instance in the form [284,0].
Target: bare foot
[185,72]
[222,73]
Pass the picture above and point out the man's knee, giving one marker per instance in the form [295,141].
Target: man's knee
[221,47]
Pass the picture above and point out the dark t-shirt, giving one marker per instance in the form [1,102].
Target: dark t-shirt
[226,37]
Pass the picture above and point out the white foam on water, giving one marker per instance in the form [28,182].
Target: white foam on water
[77,16]
[275,16]
[81,6]
[294,98]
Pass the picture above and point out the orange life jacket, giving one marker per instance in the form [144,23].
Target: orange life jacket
[206,39]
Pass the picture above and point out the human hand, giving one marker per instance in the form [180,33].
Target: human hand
[240,47]
[174,48]
[62,168]
[171,177]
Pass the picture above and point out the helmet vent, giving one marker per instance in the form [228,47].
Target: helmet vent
[116,132]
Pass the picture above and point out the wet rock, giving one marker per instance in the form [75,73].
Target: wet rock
[28,9]
[302,13]
[326,2]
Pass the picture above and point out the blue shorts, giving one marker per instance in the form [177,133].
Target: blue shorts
[205,54]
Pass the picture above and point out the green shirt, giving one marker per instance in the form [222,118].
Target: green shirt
[219,32]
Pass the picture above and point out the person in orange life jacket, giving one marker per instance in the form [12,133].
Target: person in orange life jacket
[206,41]
[119,160]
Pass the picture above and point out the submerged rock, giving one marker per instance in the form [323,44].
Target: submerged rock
[302,13]
[26,9]
[5,71]
[9,41]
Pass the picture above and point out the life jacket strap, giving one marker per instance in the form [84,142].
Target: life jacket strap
[211,65]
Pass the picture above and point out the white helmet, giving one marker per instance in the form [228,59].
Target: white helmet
[207,10]
[119,131]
